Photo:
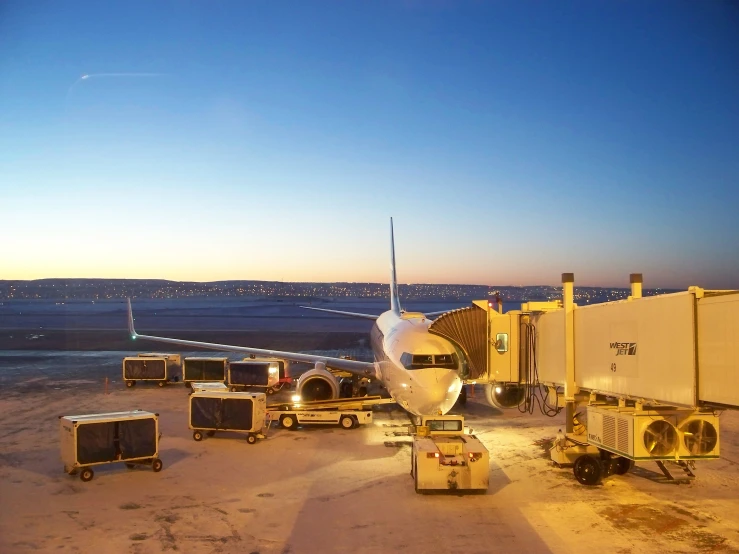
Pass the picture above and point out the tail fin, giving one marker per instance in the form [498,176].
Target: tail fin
[394,301]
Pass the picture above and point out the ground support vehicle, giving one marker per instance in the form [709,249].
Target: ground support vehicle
[204,369]
[348,413]
[146,368]
[94,439]
[240,412]
[445,458]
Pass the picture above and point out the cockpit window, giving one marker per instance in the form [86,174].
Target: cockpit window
[420,361]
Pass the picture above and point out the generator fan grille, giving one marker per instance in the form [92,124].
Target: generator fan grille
[660,438]
[700,437]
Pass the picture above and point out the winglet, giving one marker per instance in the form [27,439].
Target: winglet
[394,301]
[131,330]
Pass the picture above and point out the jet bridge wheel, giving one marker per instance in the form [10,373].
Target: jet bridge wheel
[587,470]
[622,465]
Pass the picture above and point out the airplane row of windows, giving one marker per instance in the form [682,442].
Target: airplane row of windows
[420,361]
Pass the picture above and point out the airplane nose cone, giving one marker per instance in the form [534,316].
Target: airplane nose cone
[439,388]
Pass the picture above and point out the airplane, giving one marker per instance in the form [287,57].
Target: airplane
[419,370]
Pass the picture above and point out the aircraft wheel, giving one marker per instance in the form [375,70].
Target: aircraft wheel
[87,474]
[156,465]
[587,470]
[288,422]
[622,466]
[197,435]
[251,438]
[346,422]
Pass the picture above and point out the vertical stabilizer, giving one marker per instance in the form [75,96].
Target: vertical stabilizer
[394,301]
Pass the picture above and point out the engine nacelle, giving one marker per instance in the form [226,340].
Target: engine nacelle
[504,395]
[317,384]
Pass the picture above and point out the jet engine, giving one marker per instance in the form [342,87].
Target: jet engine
[504,395]
[317,384]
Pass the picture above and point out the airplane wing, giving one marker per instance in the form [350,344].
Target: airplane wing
[350,314]
[352,366]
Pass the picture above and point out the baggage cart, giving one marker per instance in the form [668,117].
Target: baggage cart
[142,368]
[94,439]
[208,386]
[241,412]
[204,369]
[267,374]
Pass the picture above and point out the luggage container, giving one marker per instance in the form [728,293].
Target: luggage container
[174,363]
[241,412]
[204,370]
[94,439]
[142,368]
[260,373]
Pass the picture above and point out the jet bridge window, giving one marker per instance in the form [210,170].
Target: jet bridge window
[421,361]
[444,425]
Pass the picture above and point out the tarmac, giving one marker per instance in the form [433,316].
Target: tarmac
[325,489]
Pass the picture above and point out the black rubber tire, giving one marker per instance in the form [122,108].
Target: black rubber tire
[233,389]
[288,422]
[156,465]
[86,474]
[197,435]
[130,384]
[161,383]
[587,470]
[251,438]
[621,465]
[346,422]
[210,433]
[270,391]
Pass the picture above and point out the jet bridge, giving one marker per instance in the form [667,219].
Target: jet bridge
[654,372]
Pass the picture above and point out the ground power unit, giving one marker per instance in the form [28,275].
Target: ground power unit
[94,439]
[654,434]
[242,412]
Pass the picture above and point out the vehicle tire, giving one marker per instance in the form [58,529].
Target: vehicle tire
[251,438]
[288,422]
[270,391]
[346,422]
[156,465]
[362,391]
[161,383]
[210,433]
[129,465]
[87,474]
[129,384]
[197,435]
[232,389]
[587,470]
[622,465]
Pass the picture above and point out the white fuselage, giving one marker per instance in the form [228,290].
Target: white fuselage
[423,388]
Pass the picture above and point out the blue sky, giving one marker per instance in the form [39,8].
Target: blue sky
[511,141]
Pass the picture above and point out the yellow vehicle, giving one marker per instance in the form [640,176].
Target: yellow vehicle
[445,458]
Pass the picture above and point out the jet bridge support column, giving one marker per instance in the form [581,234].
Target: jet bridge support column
[568,295]
[636,281]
